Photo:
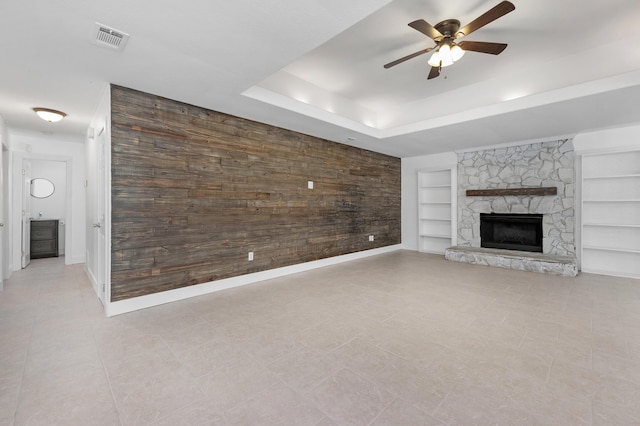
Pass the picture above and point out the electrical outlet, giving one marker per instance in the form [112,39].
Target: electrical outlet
[310,184]
[371,238]
[250,257]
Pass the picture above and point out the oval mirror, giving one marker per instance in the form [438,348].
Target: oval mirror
[41,188]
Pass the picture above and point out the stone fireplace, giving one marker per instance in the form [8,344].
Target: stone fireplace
[519,168]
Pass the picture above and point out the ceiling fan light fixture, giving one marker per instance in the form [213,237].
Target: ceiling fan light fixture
[434,61]
[446,58]
[444,33]
[442,57]
[457,52]
[50,115]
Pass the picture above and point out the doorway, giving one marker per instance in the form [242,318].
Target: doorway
[26,207]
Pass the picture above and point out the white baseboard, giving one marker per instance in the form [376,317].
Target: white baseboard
[72,260]
[92,278]
[9,271]
[142,302]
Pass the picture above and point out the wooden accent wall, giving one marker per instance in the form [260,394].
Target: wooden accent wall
[193,191]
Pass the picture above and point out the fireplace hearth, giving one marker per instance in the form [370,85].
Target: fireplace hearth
[510,231]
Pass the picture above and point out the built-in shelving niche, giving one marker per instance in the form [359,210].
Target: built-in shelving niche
[611,213]
[437,210]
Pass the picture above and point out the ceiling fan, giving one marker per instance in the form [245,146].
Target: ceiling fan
[446,50]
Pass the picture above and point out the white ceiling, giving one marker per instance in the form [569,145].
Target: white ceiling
[315,66]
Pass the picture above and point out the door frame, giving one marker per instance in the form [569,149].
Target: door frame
[4,218]
[98,258]
[16,204]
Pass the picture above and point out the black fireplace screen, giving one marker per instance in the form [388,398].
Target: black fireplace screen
[511,231]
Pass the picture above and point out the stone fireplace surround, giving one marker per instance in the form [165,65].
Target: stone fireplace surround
[546,164]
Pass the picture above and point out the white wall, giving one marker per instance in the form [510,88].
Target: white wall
[35,146]
[410,168]
[610,140]
[54,206]
[5,231]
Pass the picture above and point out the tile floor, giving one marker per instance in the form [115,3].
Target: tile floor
[397,339]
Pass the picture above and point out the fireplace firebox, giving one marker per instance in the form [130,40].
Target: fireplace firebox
[511,231]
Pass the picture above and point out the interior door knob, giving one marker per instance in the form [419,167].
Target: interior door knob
[96,225]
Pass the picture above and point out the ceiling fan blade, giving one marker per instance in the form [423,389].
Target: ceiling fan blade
[483,47]
[406,58]
[435,71]
[425,28]
[491,15]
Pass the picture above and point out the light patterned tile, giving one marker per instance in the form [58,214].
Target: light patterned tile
[191,337]
[145,398]
[411,342]
[211,356]
[577,353]
[278,406]
[349,399]
[9,396]
[550,404]
[73,395]
[606,415]
[403,413]
[198,413]
[332,334]
[304,369]
[605,388]
[235,383]
[406,338]
[269,347]
[467,405]
[361,357]
[416,385]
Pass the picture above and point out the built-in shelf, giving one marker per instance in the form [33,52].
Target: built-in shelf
[610,231]
[435,202]
[437,210]
[611,225]
[545,190]
[436,236]
[612,177]
[615,249]
[613,201]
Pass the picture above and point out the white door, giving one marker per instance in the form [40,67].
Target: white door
[26,213]
[98,223]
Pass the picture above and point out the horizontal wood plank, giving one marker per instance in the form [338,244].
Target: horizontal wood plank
[194,190]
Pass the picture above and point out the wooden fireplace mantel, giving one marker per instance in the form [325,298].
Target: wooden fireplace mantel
[545,190]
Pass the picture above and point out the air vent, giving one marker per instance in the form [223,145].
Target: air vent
[109,37]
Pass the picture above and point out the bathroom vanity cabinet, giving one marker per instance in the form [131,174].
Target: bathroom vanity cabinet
[44,238]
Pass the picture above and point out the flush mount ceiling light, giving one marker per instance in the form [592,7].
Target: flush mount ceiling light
[50,115]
